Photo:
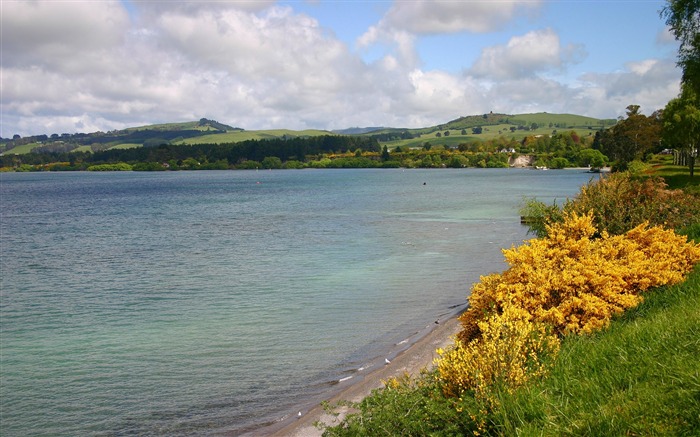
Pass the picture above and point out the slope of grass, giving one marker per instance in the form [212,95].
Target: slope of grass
[238,136]
[639,377]
[24,148]
[676,176]
[490,132]
[564,120]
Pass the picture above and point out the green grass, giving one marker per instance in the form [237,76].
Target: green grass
[24,148]
[676,176]
[570,120]
[639,377]
[489,133]
[238,136]
[187,125]
[126,146]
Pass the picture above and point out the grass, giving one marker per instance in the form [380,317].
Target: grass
[676,176]
[489,133]
[639,377]
[24,148]
[126,146]
[238,136]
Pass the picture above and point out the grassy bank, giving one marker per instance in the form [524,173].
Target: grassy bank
[641,376]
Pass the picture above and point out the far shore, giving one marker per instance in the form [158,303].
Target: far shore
[414,359]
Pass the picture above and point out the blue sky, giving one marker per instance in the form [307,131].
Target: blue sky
[83,66]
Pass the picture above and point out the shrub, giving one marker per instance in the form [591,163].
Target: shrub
[576,282]
[620,202]
[511,350]
[120,166]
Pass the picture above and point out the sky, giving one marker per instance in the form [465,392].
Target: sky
[70,66]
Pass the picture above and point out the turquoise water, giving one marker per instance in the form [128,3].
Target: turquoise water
[195,303]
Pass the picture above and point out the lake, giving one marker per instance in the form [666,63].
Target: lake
[205,303]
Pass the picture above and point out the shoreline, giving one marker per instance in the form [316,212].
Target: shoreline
[415,358]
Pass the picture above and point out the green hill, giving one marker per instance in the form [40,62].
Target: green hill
[205,131]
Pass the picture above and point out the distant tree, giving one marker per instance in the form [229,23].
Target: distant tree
[592,158]
[464,131]
[683,18]
[438,135]
[681,125]
[477,130]
[385,154]
[534,126]
[632,138]
[270,162]
[447,133]
[458,161]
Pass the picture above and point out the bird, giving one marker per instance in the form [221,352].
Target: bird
[386,361]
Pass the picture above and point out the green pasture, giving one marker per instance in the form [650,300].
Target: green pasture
[238,136]
[126,146]
[24,148]
[188,125]
[491,132]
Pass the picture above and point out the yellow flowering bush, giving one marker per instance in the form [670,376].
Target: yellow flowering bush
[573,281]
[509,352]
[576,282]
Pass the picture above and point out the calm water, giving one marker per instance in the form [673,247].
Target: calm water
[192,303]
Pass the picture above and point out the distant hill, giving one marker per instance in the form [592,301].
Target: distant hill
[201,125]
[357,130]
[205,131]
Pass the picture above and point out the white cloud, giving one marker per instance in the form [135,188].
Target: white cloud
[406,20]
[525,55]
[60,33]
[103,67]
[665,36]
[431,17]
[648,83]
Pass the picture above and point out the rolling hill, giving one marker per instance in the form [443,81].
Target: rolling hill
[463,129]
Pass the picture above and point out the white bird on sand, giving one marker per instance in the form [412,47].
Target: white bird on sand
[299,415]
[386,361]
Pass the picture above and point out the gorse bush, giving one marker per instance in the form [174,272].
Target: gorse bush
[568,282]
[575,282]
[511,350]
[620,202]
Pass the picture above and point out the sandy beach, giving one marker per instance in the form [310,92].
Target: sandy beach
[419,356]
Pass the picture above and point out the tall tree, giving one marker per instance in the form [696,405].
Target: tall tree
[683,18]
[681,125]
[632,137]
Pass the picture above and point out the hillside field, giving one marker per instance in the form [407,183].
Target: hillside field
[511,127]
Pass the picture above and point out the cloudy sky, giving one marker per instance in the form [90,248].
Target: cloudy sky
[85,66]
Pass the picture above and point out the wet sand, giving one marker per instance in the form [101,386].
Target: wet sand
[419,356]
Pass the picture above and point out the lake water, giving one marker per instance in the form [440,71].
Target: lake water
[206,303]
